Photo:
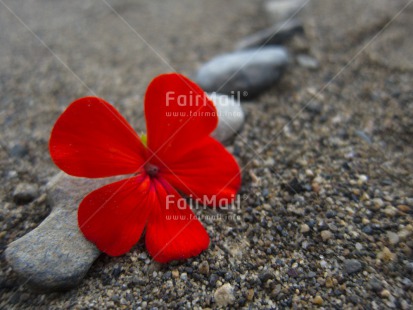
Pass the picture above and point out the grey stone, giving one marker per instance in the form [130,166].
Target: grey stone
[361,134]
[307,61]
[274,35]
[230,116]
[55,255]
[409,267]
[407,283]
[224,295]
[375,284]
[278,10]
[25,192]
[352,266]
[184,276]
[326,235]
[393,237]
[19,150]
[243,73]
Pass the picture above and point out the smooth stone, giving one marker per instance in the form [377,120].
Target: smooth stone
[305,228]
[224,295]
[230,116]
[55,255]
[361,134]
[203,268]
[274,35]
[375,284]
[25,193]
[318,300]
[19,150]
[352,266]
[393,237]
[307,61]
[278,10]
[243,73]
[326,235]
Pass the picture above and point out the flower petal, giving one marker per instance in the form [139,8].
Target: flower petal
[208,172]
[173,231]
[91,139]
[114,216]
[178,115]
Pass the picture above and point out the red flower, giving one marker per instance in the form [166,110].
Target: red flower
[91,139]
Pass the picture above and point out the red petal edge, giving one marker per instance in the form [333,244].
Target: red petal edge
[208,172]
[178,115]
[92,139]
[114,216]
[173,231]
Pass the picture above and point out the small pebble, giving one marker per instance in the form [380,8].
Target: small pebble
[386,255]
[250,294]
[409,267]
[367,230]
[306,61]
[385,293]
[407,283]
[309,173]
[362,179]
[404,208]
[352,266]
[12,174]
[375,284]
[279,10]
[224,295]
[393,237]
[329,282]
[175,274]
[404,234]
[365,221]
[25,193]
[305,245]
[354,299]
[359,246]
[167,275]
[274,35]
[318,300]
[276,291]
[378,203]
[213,279]
[203,267]
[326,235]
[390,211]
[305,228]
[230,116]
[19,150]
[363,136]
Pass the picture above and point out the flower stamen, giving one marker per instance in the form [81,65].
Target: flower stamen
[151,170]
